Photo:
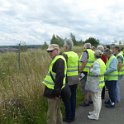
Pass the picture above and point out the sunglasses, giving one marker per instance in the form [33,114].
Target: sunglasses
[50,51]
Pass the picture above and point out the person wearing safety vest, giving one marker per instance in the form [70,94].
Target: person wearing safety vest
[120,58]
[86,61]
[103,57]
[111,77]
[95,83]
[72,59]
[54,82]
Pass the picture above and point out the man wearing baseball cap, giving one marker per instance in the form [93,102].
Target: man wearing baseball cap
[54,82]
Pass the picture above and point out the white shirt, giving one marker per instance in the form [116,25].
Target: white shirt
[92,83]
[95,69]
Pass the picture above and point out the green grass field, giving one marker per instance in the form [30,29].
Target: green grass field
[21,89]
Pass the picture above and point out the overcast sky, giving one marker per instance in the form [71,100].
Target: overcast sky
[35,21]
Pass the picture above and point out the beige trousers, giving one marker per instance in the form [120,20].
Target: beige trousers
[97,102]
[54,113]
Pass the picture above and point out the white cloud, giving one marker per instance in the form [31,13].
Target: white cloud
[35,21]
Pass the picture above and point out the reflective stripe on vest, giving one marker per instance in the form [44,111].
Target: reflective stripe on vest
[72,63]
[112,75]
[121,72]
[90,60]
[102,71]
[48,81]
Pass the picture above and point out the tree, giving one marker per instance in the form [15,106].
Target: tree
[44,46]
[73,39]
[93,41]
[57,40]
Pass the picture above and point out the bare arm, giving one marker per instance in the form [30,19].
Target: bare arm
[82,66]
[83,61]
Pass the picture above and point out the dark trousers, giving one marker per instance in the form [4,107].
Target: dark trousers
[103,93]
[111,86]
[70,104]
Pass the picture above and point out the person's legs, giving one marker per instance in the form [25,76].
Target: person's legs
[103,93]
[52,111]
[73,100]
[82,84]
[84,92]
[112,93]
[107,84]
[118,96]
[59,114]
[97,103]
[70,104]
[67,105]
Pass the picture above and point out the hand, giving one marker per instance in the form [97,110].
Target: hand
[58,93]
[81,75]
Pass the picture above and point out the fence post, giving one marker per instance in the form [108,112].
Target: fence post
[19,56]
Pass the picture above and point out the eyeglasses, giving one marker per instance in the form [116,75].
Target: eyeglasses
[50,51]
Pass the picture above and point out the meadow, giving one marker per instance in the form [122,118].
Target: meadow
[21,89]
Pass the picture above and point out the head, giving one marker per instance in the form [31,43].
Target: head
[53,50]
[87,46]
[108,52]
[101,48]
[107,47]
[116,50]
[68,45]
[98,54]
[93,48]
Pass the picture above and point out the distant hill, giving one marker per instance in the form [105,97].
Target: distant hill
[15,48]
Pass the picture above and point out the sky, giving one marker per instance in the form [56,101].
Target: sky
[35,21]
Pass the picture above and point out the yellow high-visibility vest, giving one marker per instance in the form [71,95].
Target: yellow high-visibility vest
[102,71]
[90,61]
[72,63]
[121,72]
[113,75]
[48,81]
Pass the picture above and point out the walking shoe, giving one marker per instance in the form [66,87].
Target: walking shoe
[93,117]
[68,120]
[91,113]
[112,105]
[90,102]
[107,102]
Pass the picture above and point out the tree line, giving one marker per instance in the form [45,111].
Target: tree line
[58,40]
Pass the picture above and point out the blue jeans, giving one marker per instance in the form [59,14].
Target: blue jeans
[118,96]
[111,86]
[70,104]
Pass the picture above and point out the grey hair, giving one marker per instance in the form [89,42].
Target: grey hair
[87,45]
[108,51]
[69,44]
[100,47]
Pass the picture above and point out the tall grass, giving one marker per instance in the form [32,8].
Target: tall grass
[21,90]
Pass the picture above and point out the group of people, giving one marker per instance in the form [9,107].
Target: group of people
[96,70]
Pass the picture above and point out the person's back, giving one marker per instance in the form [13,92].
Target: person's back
[104,59]
[111,77]
[86,60]
[72,67]
[120,59]
[72,80]
[95,83]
